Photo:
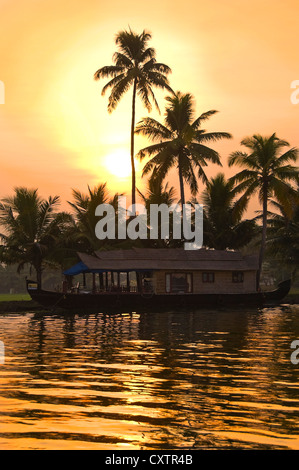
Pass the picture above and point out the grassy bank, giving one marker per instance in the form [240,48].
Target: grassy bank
[17,303]
[14,297]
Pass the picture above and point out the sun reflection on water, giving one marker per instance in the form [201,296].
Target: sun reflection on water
[195,380]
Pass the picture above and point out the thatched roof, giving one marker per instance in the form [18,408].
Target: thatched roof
[148,259]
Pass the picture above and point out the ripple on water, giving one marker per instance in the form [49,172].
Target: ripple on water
[196,380]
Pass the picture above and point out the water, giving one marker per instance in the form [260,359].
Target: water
[205,380]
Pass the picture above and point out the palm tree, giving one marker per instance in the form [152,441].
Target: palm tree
[33,229]
[84,206]
[268,173]
[158,194]
[134,65]
[180,143]
[284,231]
[223,227]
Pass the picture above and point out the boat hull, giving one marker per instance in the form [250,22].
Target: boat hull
[138,302]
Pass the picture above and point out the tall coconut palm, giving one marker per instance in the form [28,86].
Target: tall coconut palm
[268,173]
[180,142]
[32,229]
[223,227]
[134,65]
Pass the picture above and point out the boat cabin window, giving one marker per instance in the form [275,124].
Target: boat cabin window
[179,282]
[238,276]
[208,277]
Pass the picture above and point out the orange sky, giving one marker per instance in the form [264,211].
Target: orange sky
[238,57]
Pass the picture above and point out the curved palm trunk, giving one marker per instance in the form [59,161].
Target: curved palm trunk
[264,233]
[132,146]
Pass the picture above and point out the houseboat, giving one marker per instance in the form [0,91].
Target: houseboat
[150,279]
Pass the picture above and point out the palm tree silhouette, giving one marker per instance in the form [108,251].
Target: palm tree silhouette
[157,193]
[134,65]
[223,227]
[84,206]
[283,231]
[34,230]
[267,173]
[180,143]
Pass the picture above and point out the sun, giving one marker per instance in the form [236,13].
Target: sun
[118,163]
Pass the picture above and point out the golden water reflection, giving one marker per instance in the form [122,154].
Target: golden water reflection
[199,380]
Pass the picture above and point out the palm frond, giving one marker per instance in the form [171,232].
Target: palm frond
[290,155]
[148,55]
[118,91]
[203,117]
[153,129]
[122,61]
[158,67]
[237,158]
[143,92]
[287,173]
[211,136]
[112,83]
[202,152]
[108,71]
[244,176]
[283,192]
[192,181]
[45,212]
[158,80]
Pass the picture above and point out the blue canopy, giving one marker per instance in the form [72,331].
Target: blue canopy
[80,268]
